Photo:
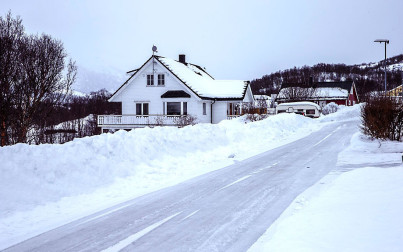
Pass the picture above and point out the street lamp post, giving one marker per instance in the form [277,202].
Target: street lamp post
[386,41]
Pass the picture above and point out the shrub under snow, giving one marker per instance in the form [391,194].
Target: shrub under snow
[330,108]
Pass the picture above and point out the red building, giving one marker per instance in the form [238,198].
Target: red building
[322,93]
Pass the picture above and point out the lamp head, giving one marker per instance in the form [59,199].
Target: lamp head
[382,41]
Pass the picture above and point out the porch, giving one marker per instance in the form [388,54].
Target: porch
[135,121]
[141,121]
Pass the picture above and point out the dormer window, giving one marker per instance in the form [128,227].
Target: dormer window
[161,79]
[150,79]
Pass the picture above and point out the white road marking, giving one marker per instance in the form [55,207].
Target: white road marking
[190,215]
[239,180]
[326,136]
[268,167]
[129,240]
[99,216]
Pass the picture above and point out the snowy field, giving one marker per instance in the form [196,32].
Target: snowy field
[45,186]
[42,187]
[356,208]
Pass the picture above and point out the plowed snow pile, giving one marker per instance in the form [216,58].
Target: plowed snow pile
[47,185]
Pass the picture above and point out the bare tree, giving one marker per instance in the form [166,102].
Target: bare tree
[11,33]
[297,93]
[185,120]
[35,73]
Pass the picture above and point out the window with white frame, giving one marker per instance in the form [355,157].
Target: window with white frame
[150,79]
[204,108]
[184,108]
[161,79]
[233,108]
[176,108]
[173,108]
[142,108]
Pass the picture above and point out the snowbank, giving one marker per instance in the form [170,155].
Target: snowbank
[48,185]
[45,186]
[359,211]
[356,208]
[364,151]
[344,113]
[37,174]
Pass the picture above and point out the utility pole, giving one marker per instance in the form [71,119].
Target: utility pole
[386,41]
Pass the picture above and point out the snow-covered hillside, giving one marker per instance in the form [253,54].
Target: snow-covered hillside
[393,64]
[362,74]
[90,80]
[390,66]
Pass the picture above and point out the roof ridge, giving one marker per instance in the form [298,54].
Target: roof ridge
[202,84]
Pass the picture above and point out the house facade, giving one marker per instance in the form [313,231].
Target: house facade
[168,92]
[396,93]
[321,93]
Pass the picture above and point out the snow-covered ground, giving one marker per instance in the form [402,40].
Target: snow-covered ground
[45,186]
[356,208]
[42,187]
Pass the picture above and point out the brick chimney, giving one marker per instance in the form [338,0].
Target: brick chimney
[182,58]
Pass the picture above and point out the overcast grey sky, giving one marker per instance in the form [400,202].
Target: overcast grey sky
[232,39]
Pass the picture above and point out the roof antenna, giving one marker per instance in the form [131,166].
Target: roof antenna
[154,48]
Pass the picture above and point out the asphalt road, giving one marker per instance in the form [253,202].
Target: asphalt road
[224,210]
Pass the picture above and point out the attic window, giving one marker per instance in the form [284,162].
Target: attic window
[161,79]
[150,79]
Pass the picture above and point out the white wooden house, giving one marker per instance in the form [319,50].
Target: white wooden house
[163,91]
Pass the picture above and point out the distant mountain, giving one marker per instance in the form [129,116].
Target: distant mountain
[367,76]
[90,80]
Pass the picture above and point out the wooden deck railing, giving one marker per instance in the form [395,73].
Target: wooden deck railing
[230,117]
[138,120]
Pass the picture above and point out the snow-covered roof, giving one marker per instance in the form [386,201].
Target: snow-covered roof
[335,92]
[198,81]
[319,90]
[201,83]
[320,93]
[261,97]
[303,103]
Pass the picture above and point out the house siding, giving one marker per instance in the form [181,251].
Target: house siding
[219,111]
[352,96]
[138,91]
